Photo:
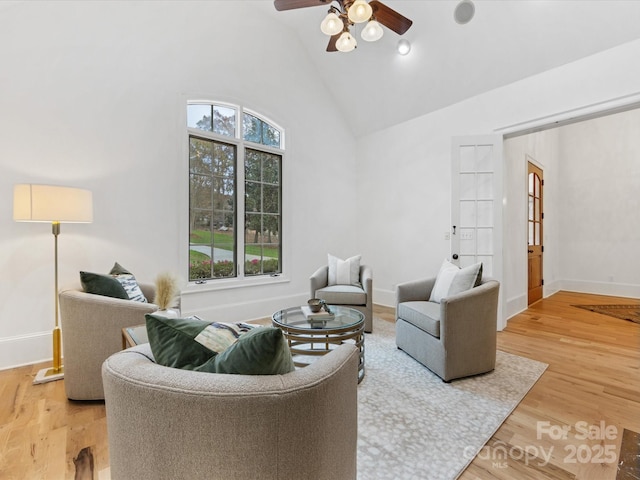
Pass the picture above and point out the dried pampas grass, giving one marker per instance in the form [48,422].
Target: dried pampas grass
[166,290]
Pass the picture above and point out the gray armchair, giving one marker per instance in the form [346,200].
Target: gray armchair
[358,297]
[92,330]
[455,338]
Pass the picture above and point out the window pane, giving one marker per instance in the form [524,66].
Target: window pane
[270,135]
[200,192]
[271,199]
[224,160]
[271,168]
[531,191]
[224,120]
[199,116]
[252,197]
[251,128]
[253,167]
[200,155]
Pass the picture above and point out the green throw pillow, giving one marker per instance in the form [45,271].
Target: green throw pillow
[261,351]
[190,342]
[102,285]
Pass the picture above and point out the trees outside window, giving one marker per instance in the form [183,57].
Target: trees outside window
[235,193]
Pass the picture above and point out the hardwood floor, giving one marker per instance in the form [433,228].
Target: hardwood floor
[593,382]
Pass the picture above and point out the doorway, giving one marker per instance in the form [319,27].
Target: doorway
[535,219]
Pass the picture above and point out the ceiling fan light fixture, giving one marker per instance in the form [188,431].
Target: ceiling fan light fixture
[404,47]
[346,42]
[331,25]
[360,11]
[372,32]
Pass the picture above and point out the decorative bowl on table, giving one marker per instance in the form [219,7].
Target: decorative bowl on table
[315,304]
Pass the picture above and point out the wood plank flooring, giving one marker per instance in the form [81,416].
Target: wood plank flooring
[592,385]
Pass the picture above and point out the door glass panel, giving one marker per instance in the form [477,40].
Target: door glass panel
[467,159]
[530,233]
[537,233]
[536,216]
[485,240]
[467,214]
[485,186]
[531,184]
[467,186]
[485,213]
[484,153]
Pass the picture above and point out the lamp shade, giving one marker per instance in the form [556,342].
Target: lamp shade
[332,24]
[360,11]
[52,203]
[346,42]
[372,32]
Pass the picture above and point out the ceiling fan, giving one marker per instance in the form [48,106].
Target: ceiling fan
[343,14]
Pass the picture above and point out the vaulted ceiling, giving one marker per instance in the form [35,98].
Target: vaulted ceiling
[507,40]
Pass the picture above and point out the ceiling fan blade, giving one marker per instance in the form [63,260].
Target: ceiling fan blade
[292,4]
[332,42]
[390,18]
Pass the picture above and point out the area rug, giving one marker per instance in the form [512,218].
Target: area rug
[412,425]
[624,312]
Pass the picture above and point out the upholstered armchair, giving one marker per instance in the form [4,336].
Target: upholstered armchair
[358,296]
[168,423]
[92,330]
[454,338]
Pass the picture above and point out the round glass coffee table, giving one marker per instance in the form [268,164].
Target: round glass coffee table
[310,338]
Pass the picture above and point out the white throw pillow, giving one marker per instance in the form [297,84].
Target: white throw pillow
[344,272]
[443,281]
[452,280]
[466,278]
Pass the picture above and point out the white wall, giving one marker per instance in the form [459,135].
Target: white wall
[404,182]
[92,94]
[541,149]
[600,205]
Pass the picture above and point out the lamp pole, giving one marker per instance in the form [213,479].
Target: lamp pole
[57,357]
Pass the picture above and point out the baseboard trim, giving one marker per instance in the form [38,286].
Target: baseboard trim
[515,306]
[24,350]
[602,288]
[384,298]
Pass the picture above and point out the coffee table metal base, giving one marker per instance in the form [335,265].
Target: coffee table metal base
[307,343]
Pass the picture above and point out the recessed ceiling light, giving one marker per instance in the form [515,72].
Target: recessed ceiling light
[464,12]
[404,46]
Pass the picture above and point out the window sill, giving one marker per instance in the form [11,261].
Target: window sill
[215,285]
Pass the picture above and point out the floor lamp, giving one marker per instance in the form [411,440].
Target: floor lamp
[52,204]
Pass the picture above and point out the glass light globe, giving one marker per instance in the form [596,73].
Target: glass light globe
[372,32]
[331,25]
[346,42]
[360,11]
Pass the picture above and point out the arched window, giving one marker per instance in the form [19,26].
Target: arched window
[235,192]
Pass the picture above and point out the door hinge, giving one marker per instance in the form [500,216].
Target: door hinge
[542,181]
[542,248]
[542,215]
[542,282]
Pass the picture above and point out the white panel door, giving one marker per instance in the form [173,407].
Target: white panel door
[476,205]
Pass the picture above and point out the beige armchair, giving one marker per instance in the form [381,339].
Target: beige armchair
[91,331]
[165,423]
[358,297]
[455,338]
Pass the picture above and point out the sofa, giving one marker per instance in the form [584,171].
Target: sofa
[168,423]
[92,330]
[454,338]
